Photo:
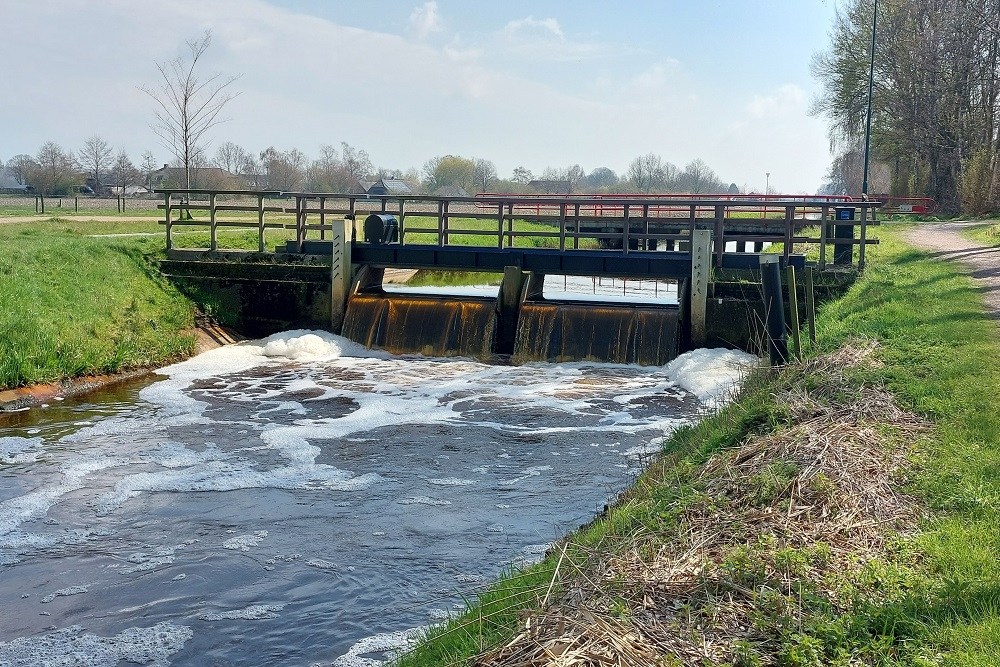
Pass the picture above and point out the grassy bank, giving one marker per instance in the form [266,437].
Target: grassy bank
[706,559]
[72,304]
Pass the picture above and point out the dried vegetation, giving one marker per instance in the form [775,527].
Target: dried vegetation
[772,533]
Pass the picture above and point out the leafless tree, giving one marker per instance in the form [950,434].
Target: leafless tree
[147,167]
[189,105]
[96,158]
[484,172]
[124,173]
[19,166]
[648,172]
[283,170]
[232,157]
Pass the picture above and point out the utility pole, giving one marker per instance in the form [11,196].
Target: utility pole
[868,120]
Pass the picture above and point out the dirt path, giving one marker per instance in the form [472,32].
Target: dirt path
[945,241]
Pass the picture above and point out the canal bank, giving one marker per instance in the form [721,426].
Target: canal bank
[839,511]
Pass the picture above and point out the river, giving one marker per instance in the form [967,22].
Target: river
[303,501]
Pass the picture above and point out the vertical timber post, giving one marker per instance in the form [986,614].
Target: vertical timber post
[167,219]
[340,272]
[793,309]
[213,224]
[701,269]
[811,305]
[774,309]
[509,309]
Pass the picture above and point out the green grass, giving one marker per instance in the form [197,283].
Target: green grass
[986,233]
[73,305]
[933,598]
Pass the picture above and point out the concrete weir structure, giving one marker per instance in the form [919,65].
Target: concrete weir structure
[331,273]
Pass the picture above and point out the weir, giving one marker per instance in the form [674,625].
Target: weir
[683,241]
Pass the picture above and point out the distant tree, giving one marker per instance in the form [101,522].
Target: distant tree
[356,162]
[96,158]
[450,170]
[147,167]
[733,189]
[231,157]
[283,170]
[649,173]
[600,179]
[124,173]
[53,171]
[188,105]
[522,175]
[698,178]
[484,173]
[19,166]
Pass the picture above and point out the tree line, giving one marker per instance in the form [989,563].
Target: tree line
[935,129]
[54,170]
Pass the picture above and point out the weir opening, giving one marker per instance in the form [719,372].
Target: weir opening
[622,334]
[558,318]
[428,325]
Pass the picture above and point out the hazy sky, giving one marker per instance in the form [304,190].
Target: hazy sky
[521,83]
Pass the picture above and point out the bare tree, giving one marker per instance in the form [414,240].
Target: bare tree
[231,157]
[649,172]
[484,172]
[124,173]
[283,170]
[19,166]
[96,158]
[147,167]
[189,106]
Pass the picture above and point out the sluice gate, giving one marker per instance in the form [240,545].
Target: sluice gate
[526,239]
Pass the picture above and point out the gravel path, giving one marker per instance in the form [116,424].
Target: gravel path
[945,241]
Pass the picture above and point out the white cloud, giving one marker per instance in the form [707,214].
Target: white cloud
[531,28]
[425,20]
[787,98]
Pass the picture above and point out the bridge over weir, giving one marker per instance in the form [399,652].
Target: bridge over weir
[347,241]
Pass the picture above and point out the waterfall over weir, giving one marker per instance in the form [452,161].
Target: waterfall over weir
[535,329]
[428,325]
[618,333]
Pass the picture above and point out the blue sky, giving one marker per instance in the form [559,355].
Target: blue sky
[522,83]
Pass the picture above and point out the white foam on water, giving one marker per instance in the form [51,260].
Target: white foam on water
[533,471]
[387,645]
[256,612]
[244,542]
[321,564]
[19,450]
[72,590]
[423,500]
[144,562]
[235,475]
[71,647]
[35,504]
[451,481]
[712,375]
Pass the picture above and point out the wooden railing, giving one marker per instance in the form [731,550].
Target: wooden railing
[577,221]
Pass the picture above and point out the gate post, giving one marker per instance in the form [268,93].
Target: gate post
[340,272]
[701,270]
